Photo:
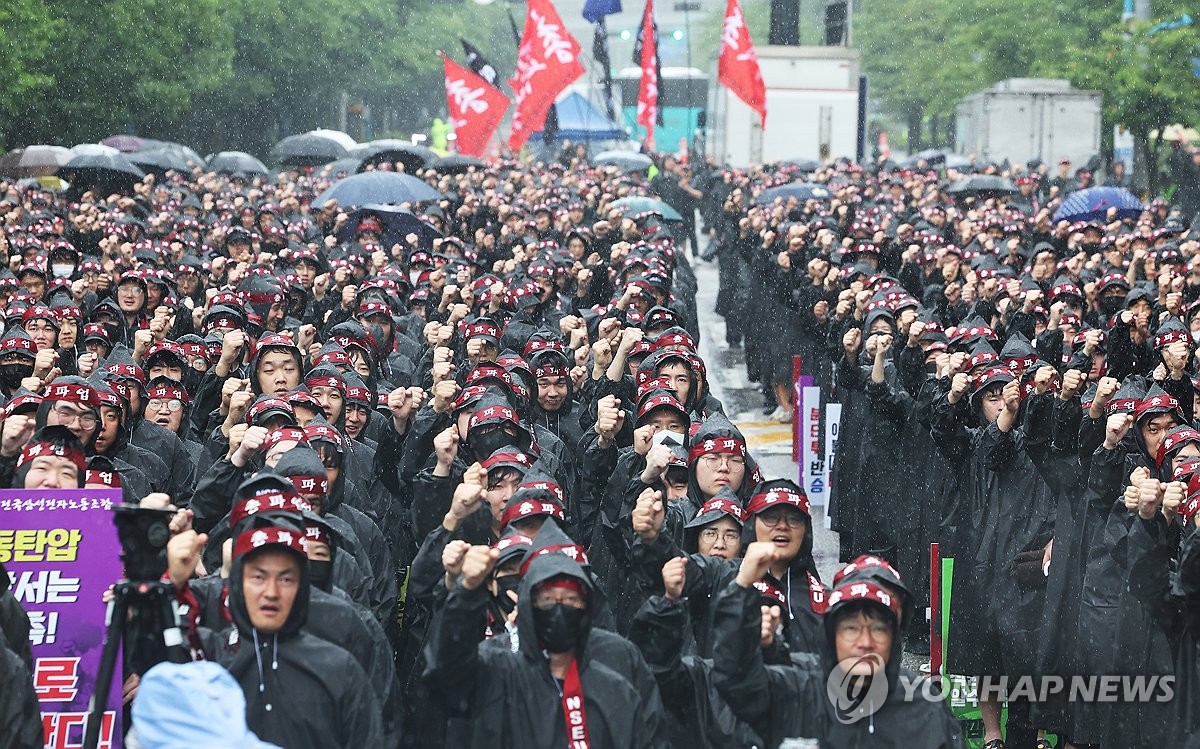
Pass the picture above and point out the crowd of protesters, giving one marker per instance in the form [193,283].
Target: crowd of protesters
[472,487]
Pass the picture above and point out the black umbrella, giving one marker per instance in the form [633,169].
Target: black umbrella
[799,190]
[307,149]
[412,157]
[804,165]
[112,172]
[378,187]
[626,161]
[455,163]
[160,160]
[236,161]
[397,224]
[982,184]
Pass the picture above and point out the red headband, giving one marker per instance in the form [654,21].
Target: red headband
[260,537]
[1171,336]
[311,484]
[723,445]
[315,534]
[862,563]
[1174,440]
[717,504]
[169,393]
[48,449]
[531,508]
[866,591]
[286,434]
[274,501]
[778,497]
[111,479]
[326,382]
[573,551]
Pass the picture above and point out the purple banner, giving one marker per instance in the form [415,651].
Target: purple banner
[61,551]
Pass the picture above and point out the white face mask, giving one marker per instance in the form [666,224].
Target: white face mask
[1196,336]
[62,270]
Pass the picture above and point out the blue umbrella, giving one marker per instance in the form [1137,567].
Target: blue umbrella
[397,223]
[378,187]
[637,204]
[1093,203]
[799,190]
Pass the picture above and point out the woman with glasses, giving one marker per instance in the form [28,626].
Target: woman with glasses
[777,513]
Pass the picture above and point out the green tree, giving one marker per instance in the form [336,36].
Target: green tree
[1147,80]
[123,65]
[26,32]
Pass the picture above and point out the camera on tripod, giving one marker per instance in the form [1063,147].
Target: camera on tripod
[143,532]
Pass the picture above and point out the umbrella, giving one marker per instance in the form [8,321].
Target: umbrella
[92,149]
[112,172]
[412,157]
[378,187]
[804,165]
[190,157]
[307,150]
[41,161]
[236,161]
[455,163]
[1093,204]
[397,223]
[160,160]
[123,143]
[648,205]
[337,136]
[929,156]
[50,182]
[626,161]
[799,190]
[345,167]
[982,184]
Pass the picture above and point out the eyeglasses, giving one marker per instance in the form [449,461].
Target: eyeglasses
[711,535]
[772,518]
[67,415]
[712,460]
[547,600]
[852,630]
[172,405]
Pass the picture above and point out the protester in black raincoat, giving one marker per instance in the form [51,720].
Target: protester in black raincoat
[552,689]
[862,631]
[300,691]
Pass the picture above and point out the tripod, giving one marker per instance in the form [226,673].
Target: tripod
[153,606]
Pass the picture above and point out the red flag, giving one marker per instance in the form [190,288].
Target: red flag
[738,68]
[647,102]
[547,61]
[475,107]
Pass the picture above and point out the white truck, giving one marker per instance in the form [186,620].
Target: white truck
[812,108]
[1021,119]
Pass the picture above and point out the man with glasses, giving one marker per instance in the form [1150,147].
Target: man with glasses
[778,514]
[859,654]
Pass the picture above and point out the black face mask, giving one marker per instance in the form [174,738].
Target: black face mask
[484,444]
[12,374]
[320,572]
[381,337]
[559,628]
[504,585]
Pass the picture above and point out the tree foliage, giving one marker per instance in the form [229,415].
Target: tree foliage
[223,74]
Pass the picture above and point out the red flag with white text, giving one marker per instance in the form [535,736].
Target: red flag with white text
[547,62]
[737,68]
[475,107]
[647,102]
